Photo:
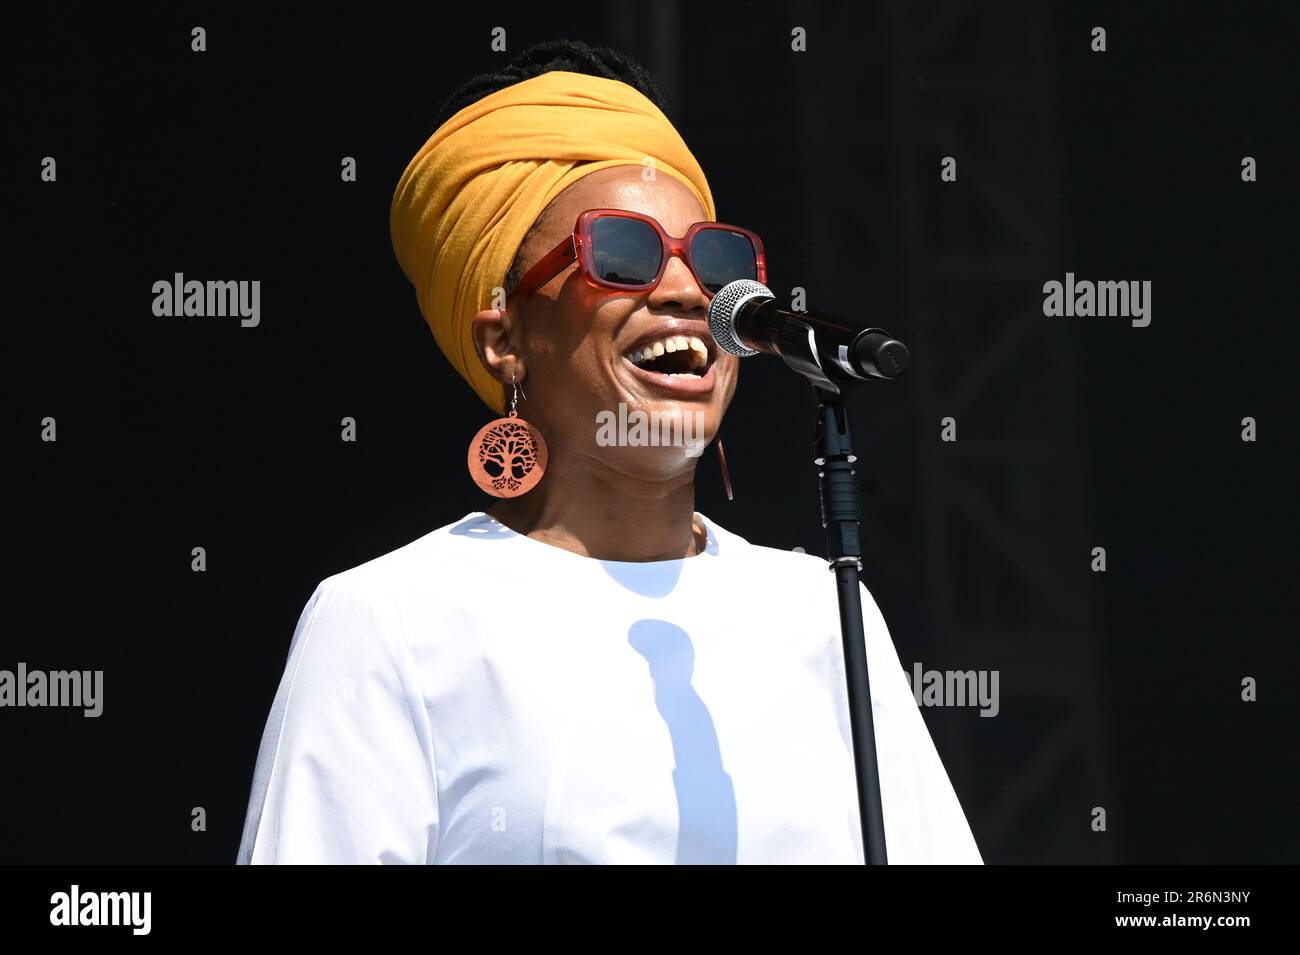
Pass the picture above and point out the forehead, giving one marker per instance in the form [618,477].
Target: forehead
[624,187]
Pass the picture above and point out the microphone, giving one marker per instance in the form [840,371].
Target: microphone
[745,319]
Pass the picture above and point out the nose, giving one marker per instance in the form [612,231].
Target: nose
[678,288]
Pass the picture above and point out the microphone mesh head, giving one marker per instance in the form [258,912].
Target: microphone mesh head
[722,313]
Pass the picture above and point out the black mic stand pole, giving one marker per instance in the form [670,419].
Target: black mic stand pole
[833,454]
[833,450]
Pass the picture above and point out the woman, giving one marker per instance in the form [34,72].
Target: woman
[574,675]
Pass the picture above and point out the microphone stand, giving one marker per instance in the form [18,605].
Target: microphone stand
[833,454]
[833,450]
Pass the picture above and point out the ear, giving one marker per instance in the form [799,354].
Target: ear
[495,332]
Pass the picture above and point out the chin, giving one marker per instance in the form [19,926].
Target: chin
[656,434]
[653,463]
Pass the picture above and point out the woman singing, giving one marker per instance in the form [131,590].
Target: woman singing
[583,673]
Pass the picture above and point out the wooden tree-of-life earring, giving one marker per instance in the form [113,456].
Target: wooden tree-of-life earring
[508,456]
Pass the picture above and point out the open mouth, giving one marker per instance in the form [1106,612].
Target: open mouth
[677,356]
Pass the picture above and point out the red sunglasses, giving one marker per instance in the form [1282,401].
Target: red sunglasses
[625,250]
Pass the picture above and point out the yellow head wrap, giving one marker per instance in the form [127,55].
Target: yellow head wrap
[465,201]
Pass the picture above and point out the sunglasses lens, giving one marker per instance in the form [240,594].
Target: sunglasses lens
[625,251]
[721,256]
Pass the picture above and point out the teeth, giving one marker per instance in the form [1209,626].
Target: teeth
[699,352]
[673,343]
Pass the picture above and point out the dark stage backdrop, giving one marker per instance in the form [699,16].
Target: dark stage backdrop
[1119,689]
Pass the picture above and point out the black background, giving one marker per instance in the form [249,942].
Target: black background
[175,433]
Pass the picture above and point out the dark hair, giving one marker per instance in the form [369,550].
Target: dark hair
[573,56]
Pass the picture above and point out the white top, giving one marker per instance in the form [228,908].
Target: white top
[478,696]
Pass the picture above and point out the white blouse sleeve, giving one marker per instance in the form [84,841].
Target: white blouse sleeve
[345,772]
[924,821]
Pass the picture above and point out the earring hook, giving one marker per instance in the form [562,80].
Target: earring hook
[514,398]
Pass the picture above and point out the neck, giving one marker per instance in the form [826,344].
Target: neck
[595,512]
